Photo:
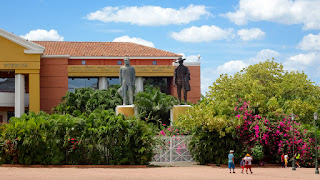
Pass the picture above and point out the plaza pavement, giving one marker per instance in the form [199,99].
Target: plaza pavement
[155,173]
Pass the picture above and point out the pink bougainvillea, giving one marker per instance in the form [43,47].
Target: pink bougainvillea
[275,135]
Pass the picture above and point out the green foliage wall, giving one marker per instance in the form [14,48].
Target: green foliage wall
[208,147]
[100,138]
[154,105]
[86,100]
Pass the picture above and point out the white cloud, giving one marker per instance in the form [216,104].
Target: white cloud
[310,42]
[149,15]
[302,62]
[202,34]
[134,40]
[190,58]
[304,12]
[251,34]
[263,55]
[43,35]
[231,67]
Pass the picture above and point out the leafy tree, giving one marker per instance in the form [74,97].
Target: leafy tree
[268,87]
[86,100]
[208,147]
[155,105]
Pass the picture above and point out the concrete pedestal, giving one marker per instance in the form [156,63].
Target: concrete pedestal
[128,110]
[176,111]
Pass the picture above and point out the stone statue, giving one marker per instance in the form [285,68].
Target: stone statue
[181,80]
[127,77]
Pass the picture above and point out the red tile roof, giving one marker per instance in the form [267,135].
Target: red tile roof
[108,49]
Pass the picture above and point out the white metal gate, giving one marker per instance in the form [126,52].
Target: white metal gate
[173,149]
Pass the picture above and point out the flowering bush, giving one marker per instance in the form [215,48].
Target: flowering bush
[276,134]
[172,131]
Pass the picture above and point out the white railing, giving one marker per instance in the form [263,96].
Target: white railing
[173,149]
[7,99]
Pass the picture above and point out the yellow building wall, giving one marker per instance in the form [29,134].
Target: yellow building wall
[113,70]
[12,57]
[34,92]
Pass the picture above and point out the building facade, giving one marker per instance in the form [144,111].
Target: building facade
[35,75]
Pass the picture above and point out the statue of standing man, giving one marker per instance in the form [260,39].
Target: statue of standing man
[181,80]
[127,77]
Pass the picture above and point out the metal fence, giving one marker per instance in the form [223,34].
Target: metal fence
[173,149]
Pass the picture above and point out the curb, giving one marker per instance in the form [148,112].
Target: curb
[73,166]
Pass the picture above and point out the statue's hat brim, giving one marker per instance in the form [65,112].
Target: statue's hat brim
[180,59]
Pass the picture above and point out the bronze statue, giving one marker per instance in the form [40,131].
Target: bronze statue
[181,80]
[127,78]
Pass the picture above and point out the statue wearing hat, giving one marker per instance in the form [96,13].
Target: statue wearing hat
[181,79]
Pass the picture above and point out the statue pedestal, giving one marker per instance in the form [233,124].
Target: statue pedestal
[176,111]
[128,110]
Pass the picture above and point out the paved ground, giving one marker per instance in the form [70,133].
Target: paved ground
[155,173]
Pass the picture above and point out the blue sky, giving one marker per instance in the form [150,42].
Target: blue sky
[228,34]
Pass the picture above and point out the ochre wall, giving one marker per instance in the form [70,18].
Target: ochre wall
[12,56]
[115,61]
[195,94]
[53,82]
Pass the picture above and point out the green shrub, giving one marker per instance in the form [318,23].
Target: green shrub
[154,105]
[210,147]
[86,100]
[99,138]
[257,152]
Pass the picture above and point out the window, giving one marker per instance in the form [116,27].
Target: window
[7,85]
[154,62]
[74,83]
[83,62]
[113,82]
[119,62]
[162,83]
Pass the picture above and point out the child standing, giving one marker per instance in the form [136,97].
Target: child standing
[231,161]
[248,160]
[242,165]
[286,158]
[282,160]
